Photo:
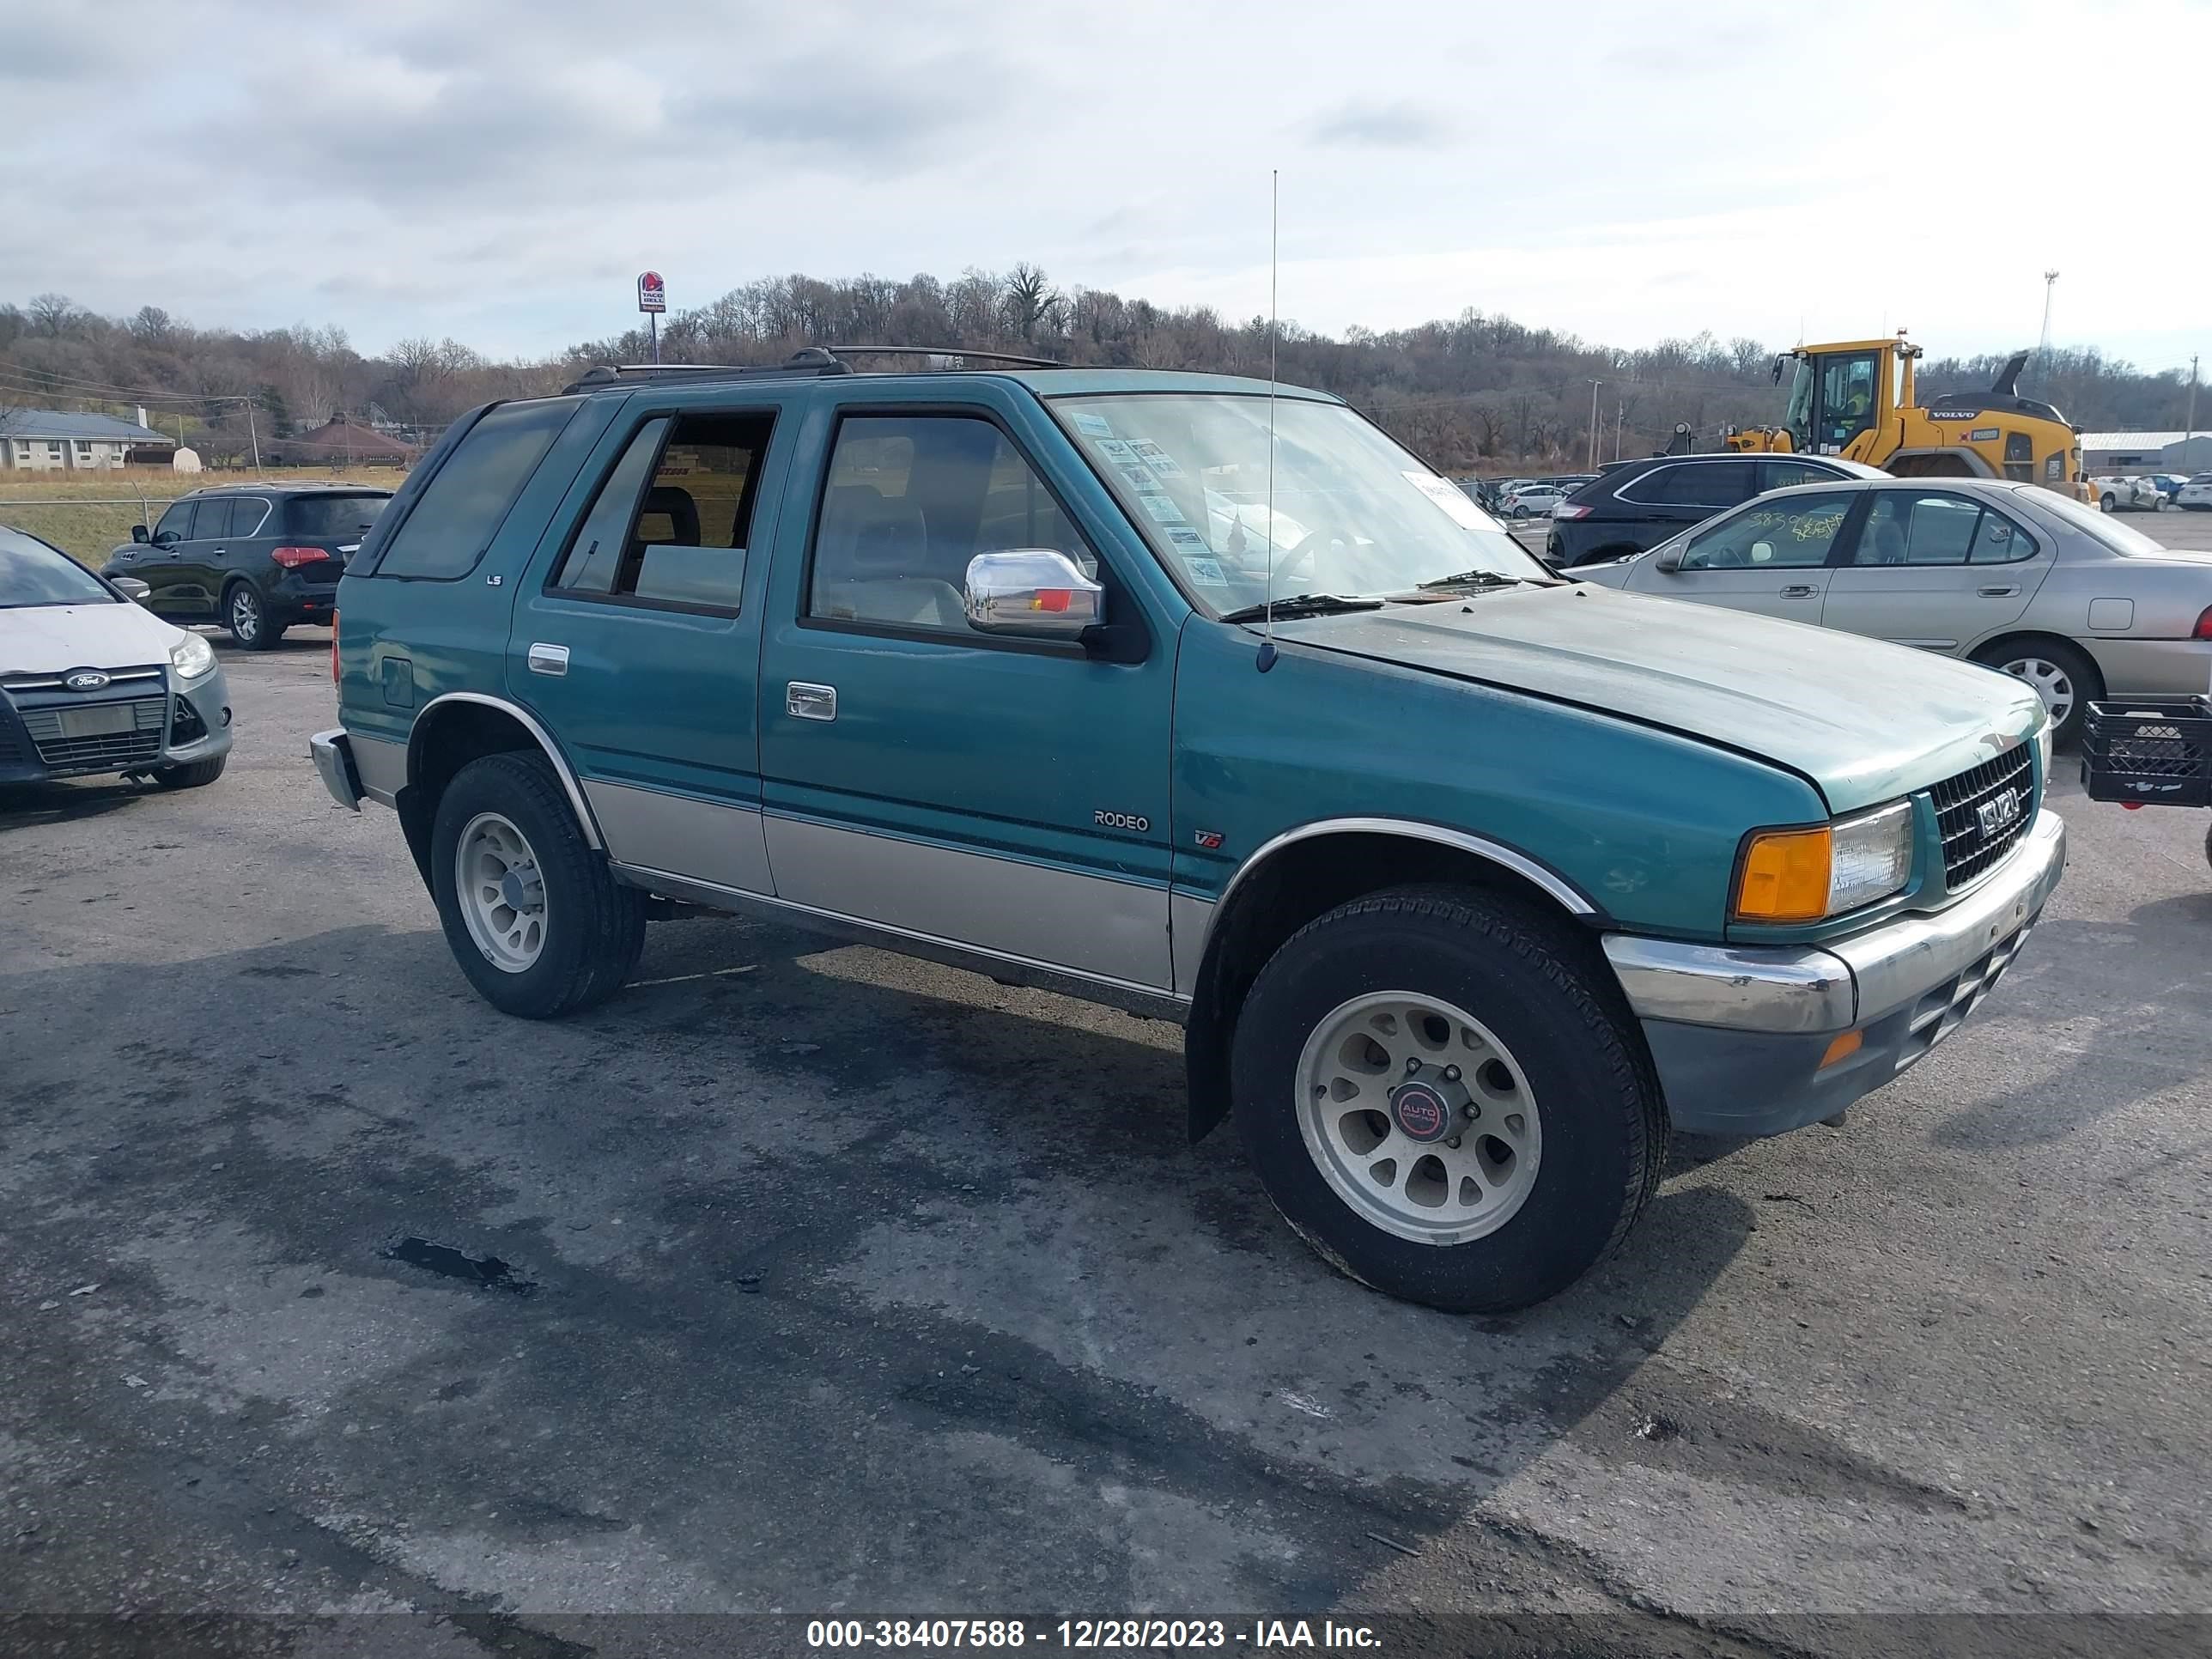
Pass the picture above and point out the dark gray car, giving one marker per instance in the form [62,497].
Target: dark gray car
[256,558]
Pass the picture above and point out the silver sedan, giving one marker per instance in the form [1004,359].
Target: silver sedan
[2021,578]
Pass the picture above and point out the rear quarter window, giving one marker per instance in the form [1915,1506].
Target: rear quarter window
[460,510]
[333,518]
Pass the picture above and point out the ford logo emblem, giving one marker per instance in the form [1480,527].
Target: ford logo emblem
[86,679]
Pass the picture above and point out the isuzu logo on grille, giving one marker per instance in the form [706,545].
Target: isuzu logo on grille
[86,679]
[1999,813]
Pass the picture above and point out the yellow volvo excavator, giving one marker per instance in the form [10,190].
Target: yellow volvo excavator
[1857,399]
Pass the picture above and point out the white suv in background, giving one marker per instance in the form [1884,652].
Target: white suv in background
[2196,493]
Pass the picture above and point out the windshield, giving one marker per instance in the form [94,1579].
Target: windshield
[1354,514]
[31,572]
[2122,539]
[1799,417]
[335,518]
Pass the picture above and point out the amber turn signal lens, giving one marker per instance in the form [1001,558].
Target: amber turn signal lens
[1847,1044]
[1785,876]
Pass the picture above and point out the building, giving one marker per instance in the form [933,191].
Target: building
[52,440]
[2104,452]
[340,441]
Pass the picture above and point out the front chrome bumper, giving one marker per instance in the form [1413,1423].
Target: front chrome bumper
[1742,1037]
[1842,982]
[333,756]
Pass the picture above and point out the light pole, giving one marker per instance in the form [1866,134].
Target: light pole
[1594,385]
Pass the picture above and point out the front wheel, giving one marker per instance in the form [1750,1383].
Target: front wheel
[2107,504]
[247,618]
[194,775]
[2064,679]
[1443,1098]
[532,914]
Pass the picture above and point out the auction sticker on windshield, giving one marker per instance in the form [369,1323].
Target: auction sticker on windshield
[1451,497]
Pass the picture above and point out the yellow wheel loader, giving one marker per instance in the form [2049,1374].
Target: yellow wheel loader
[1857,399]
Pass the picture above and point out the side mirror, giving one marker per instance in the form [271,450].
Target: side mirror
[138,532]
[1669,558]
[1031,593]
[131,588]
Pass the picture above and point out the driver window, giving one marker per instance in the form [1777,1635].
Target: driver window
[909,500]
[1790,535]
[177,522]
[1847,389]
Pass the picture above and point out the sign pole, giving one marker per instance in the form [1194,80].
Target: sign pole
[652,326]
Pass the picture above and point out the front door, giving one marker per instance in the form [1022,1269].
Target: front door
[1771,557]
[1935,569]
[165,564]
[636,639]
[1004,795]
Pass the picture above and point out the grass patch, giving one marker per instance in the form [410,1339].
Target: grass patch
[88,515]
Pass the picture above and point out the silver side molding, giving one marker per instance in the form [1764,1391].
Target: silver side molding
[1145,1001]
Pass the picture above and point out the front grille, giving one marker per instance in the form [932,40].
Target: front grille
[1969,849]
[1944,1010]
[107,752]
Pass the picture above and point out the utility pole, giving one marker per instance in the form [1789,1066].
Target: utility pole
[2192,401]
[1619,414]
[252,436]
[2042,348]
[1594,385]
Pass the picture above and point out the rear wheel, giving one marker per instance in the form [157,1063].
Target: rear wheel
[530,913]
[246,616]
[2065,679]
[1444,1101]
[2107,503]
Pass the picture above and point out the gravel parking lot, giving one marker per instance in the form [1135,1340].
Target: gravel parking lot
[858,1284]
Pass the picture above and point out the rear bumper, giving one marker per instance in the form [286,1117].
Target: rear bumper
[1738,1036]
[333,754]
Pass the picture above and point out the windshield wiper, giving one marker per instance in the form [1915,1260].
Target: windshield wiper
[1303,604]
[1479,579]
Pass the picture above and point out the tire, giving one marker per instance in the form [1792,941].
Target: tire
[2107,504]
[195,774]
[2078,673]
[245,614]
[589,929]
[1567,1050]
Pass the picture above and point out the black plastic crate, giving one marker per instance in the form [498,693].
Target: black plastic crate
[2154,750]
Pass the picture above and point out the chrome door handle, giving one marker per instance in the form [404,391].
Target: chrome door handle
[549,659]
[1800,591]
[805,702]
[1998,593]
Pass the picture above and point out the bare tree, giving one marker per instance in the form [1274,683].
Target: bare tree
[153,327]
[55,314]
[1030,298]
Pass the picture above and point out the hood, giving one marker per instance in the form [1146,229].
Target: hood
[46,639]
[1865,720]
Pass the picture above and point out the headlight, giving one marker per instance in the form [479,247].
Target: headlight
[1809,875]
[191,657]
[2042,750]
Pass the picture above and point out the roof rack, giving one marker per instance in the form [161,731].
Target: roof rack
[806,361]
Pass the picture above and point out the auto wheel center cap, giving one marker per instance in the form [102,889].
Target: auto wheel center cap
[520,891]
[1422,1111]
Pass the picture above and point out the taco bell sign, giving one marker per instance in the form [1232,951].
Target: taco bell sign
[652,293]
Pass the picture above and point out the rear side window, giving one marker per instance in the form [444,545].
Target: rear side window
[249,516]
[672,524]
[1721,484]
[460,510]
[1908,529]
[1783,474]
[333,518]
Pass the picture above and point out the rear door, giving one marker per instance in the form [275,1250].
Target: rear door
[1935,569]
[1008,796]
[1770,557]
[1672,498]
[636,639]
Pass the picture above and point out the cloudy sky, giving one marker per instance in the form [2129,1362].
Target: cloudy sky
[499,171]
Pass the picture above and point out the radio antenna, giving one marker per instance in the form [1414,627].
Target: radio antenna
[1266,659]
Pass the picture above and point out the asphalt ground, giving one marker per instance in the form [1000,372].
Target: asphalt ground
[857,1286]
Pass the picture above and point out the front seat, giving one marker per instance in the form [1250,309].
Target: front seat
[1885,543]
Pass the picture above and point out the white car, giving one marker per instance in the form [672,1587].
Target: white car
[2196,493]
[1536,501]
[2127,495]
[91,683]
